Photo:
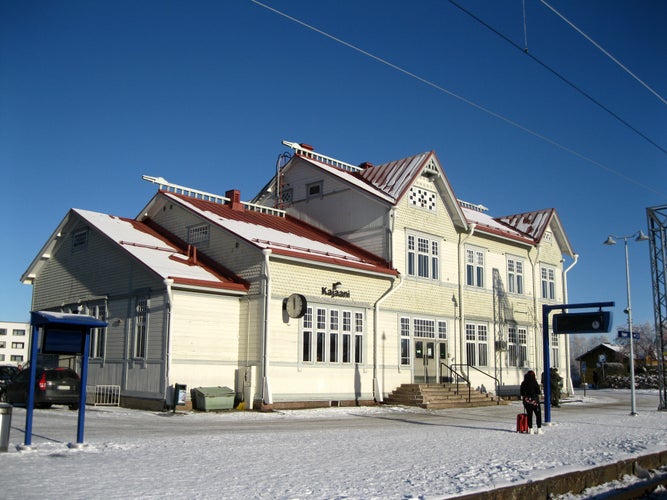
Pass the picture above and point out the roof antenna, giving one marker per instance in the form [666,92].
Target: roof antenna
[282,160]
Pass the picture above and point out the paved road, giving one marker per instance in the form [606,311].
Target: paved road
[58,423]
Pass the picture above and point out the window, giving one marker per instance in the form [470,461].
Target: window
[516,347]
[548,283]
[2,344]
[424,328]
[2,357]
[423,257]
[79,240]
[14,357]
[328,338]
[347,328]
[307,339]
[333,335]
[140,328]
[314,190]
[18,345]
[477,347]
[198,234]
[442,330]
[358,337]
[18,332]
[405,341]
[554,350]
[287,195]
[3,331]
[321,335]
[422,198]
[98,335]
[515,276]
[474,268]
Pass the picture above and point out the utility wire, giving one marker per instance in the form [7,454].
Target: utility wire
[560,77]
[463,99]
[605,52]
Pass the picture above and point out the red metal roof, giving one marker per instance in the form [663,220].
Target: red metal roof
[284,235]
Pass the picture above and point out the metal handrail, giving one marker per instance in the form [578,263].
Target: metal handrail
[459,375]
[468,366]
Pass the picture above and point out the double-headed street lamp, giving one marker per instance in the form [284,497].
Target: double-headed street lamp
[638,236]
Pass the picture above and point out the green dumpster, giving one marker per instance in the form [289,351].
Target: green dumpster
[214,398]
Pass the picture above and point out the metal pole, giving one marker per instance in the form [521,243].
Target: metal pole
[633,406]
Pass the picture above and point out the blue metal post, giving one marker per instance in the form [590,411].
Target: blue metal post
[30,404]
[547,362]
[82,392]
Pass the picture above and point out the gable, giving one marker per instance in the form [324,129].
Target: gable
[156,253]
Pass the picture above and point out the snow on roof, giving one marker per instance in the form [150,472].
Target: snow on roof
[154,251]
[352,179]
[283,235]
[395,177]
[532,224]
[488,223]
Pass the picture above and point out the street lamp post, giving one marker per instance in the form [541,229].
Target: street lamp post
[638,236]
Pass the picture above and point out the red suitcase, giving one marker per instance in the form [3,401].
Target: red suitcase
[522,423]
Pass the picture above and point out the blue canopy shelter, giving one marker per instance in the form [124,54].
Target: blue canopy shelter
[61,334]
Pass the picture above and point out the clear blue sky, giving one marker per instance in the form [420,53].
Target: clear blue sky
[95,94]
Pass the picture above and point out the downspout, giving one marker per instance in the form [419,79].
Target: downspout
[570,385]
[537,311]
[267,397]
[377,388]
[168,282]
[462,240]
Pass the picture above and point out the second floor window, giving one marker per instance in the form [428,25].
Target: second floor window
[475,268]
[423,257]
[548,283]
[514,276]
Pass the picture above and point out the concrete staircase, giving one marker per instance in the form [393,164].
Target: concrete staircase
[439,396]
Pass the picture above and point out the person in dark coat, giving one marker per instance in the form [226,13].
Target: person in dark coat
[530,395]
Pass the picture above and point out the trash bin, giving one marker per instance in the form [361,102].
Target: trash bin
[214,398]
[5,425]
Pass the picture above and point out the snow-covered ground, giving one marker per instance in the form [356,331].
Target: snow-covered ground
[334,453]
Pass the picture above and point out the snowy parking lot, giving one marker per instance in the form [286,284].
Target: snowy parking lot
[356,453]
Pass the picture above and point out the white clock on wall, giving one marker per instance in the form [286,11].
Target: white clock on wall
[296,305]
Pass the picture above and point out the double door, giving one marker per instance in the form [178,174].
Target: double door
[429,353]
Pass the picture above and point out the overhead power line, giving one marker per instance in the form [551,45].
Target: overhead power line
[605,52]
[463,99]
[561,77]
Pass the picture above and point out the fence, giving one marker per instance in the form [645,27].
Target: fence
[103,395]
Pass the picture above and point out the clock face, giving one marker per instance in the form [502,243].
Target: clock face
[296,305]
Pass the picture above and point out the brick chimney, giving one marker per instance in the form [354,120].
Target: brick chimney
[234,196]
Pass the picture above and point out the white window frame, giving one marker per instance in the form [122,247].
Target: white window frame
[98,336]
[405,351]
[555,350]
[517,349]
[515,275]
[477,344]
[475,267]
[333,336]
[199,234]
[141,320]
[548,282]
[423,256]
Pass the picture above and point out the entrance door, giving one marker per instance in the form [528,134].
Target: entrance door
[426,366]
[429,354]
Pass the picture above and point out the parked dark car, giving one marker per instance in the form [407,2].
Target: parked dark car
[7,372]
[53,386]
